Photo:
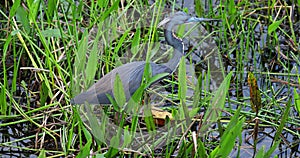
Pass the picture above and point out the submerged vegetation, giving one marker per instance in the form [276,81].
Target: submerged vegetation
[53,50]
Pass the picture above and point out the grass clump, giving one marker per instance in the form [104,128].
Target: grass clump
[53,50]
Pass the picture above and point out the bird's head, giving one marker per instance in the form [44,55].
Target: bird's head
[183,18]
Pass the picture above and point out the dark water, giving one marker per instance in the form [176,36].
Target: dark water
[15,135]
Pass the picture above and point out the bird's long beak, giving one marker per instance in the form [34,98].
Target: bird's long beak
[195,19]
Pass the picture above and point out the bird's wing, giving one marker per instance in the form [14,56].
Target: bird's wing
[131,75]
[137,75]
[96,94]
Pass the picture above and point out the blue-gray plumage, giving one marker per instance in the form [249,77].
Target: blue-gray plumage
[131,74]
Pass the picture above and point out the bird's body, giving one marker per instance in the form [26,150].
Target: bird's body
[131,80]
[131,74]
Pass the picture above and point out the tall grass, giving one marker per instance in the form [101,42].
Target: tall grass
[53,50]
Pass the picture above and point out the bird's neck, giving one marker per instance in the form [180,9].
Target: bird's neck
[172,40]
[177,44]
[174,61]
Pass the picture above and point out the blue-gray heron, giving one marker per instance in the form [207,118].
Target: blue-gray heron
[131,74]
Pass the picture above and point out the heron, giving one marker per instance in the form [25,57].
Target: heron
[131,74]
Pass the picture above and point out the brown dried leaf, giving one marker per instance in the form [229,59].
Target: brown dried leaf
[255,98]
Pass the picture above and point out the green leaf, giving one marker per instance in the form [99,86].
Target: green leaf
[201,151]
[118,47]
[114,145]
[43,94]
[134,124]
[14,8]
[85,150]
[51,8]
[127,137]
[42,154]
[134,101]
[114,7]
[98,124]
[79,64]
[103,3]
[113,102]
[5,48]
[274,26]
[182,79]
[149,118]
[199,8]
[119,93]
[297,100]
[272,149]
[298,1]
[134,107]
[100,156]
[261,151]
[193,112]
[147,73]
[136,41]
[233,129]
[3,105]
[121,41]
[217,104]
[80,54]
[214,153]
[183,110]
[283,120]
[197,95]
[33,9]
[87,134]
[231,8]
[21,16]
[91,67]
[156,78]
[51,33]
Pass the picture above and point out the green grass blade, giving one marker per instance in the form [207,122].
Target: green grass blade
[197,96]
[272,149]
[51,7]
[85,150]
[136,41]
[183,110]
[51,33]
[91,69]
[233,129]
[21,16]
[127,137]
[283,120]
[42,154]
[201,151]
[43,94]
[156,78]
[3,106]
[274,26]
[81,53]
[33,9]
[109,10]
[14,8]
[217,104]
[260,152]
[297,100]
[182,79]
[119,93]
[79,64]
